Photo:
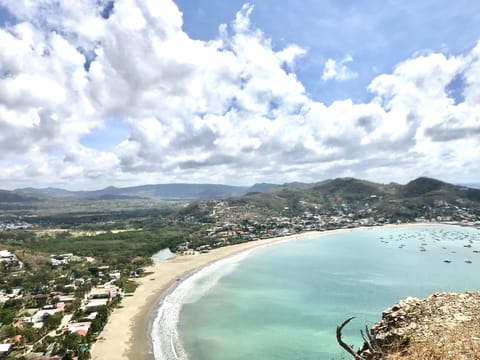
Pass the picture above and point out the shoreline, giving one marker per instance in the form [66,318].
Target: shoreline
[127,334]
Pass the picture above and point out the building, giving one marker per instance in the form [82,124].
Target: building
[95,303]
[106,292]
[5,350]
[80,328]
[7,257]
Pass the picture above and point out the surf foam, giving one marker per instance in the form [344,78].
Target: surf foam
[165,338]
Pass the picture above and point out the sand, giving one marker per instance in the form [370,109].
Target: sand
[126,334]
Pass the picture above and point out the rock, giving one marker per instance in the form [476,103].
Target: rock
[436,320]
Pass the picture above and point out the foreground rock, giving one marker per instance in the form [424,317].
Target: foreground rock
[442,326]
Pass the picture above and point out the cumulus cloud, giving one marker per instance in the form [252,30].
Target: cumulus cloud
[338,70]
[227,110]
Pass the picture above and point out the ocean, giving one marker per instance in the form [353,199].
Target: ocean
[285,300]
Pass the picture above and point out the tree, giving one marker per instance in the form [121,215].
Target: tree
[7,316]
[51,322]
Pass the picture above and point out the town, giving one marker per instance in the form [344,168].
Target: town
[61,317]
[55,305]
[230,223]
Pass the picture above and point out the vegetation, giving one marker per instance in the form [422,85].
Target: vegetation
[108,245]
[71,245]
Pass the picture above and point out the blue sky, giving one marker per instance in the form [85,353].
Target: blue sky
[376,34]
[100,92]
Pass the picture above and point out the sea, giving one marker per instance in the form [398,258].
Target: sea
[284,301]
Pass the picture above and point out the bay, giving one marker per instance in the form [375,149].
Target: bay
[284,301]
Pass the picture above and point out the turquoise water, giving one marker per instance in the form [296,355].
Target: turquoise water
[285,301]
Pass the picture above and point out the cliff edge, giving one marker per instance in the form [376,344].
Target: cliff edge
[442,326]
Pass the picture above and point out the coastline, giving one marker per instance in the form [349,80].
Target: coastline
[127,332]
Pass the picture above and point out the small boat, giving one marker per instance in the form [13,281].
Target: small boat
[447,261]
[468,261]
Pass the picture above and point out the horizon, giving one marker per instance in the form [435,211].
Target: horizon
[247,186]
[123,93]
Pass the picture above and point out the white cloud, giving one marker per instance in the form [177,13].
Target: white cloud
[228,110]
[339,71]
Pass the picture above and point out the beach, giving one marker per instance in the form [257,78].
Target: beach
[127,333]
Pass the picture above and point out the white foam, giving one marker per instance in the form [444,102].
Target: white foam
[165,337]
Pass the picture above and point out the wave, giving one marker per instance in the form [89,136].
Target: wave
[165,338]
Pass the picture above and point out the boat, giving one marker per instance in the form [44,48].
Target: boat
[468,261]
[447,261]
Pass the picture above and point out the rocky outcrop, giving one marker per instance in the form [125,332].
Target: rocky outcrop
[441,326]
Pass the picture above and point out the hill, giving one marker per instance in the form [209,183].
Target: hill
[162,191]
[326,194]
[430,188]
[261,187]
[351,199]
[12,197]
[347,199]
[45,192]
[422,186]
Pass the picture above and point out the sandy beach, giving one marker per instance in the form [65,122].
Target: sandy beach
[126,334]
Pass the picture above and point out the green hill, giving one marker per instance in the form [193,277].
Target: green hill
[419,198]
[12,197]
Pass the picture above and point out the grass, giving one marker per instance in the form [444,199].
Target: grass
[459,343]
[130,286]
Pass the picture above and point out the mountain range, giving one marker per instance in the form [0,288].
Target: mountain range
[342,189]
[159,191]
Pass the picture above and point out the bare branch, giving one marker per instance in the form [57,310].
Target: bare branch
[347,348]
[367,341]
[369,333]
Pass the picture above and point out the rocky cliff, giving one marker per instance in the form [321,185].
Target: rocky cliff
[442,326]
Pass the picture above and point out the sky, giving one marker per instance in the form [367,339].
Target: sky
[127,92]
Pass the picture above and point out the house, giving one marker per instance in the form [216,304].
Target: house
[80,328]
[38,317]
[7,257]
[89,317]
[96,303]
[66,299]
[115,275]
[5,254]
[5,349]
[58,262]
[106,292]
